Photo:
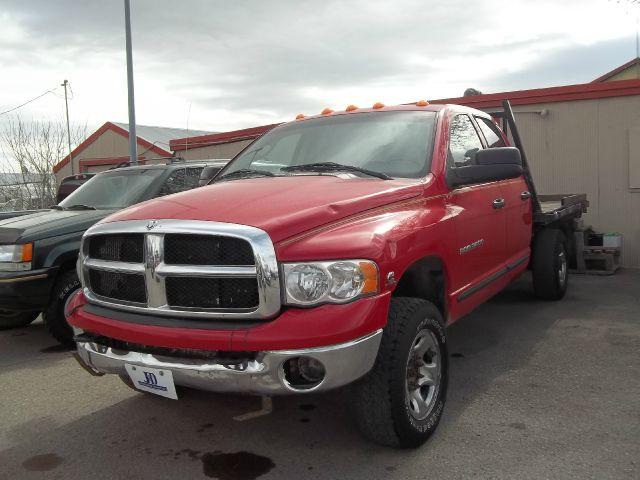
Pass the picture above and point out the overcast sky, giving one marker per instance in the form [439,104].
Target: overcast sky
[222,65]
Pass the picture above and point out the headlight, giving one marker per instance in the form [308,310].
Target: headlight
[16,257]
[341,281]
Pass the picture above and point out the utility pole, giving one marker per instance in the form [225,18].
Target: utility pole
[64,84]
[133,139]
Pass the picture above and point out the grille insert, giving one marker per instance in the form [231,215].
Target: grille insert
[117,248]
[129,287]
[192,292]
[206,250]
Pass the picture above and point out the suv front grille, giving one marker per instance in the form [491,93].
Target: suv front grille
[206,250]
[192,292]
[181,268]
[128,287]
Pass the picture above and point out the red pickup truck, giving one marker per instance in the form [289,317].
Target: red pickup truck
[333,251]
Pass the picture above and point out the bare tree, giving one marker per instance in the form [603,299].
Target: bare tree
[30,150]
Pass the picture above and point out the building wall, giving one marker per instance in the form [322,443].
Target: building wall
[584,147]
[109,144]
[630,73]
[222,150]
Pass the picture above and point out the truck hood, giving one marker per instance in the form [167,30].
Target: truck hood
[48,223]
[281,206]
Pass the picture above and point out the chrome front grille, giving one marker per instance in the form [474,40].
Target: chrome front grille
[183,268]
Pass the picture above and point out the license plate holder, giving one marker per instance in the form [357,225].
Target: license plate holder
[158,381]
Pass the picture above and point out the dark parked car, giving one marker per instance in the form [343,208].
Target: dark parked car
[38,252]
[70,184]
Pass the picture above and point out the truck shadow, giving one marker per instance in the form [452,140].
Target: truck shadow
[304,437]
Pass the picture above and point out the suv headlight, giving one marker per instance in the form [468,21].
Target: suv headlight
[340,281]
[16,257]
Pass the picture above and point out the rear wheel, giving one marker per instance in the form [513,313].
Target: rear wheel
[66,285]
[400,401]
[550,265]
[12,319]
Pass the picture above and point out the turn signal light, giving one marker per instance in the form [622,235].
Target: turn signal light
[378,105]
[326,111]
[422,103]
[350,108]
[300,116]
[27,252]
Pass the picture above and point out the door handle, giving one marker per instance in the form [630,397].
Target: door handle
[525,195]
[498,203]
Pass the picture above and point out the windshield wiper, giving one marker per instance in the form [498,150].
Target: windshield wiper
[56,207]
[80,207]
[334,167]
[246,173]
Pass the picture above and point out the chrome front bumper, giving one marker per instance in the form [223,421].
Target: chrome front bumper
[344,363]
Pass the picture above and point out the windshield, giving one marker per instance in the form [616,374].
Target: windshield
[397,144]
[113,190]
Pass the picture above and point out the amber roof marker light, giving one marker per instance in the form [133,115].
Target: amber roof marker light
[378,105]
[326,111]
[300,116]
[350,108]
[422,103]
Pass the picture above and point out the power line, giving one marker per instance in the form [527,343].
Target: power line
[28,101]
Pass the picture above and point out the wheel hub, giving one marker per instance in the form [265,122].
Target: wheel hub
[423,374]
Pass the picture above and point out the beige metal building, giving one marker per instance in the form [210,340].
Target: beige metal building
[109,146]
[578,138]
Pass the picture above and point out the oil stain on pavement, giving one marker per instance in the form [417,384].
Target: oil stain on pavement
[235,466]
[42,463]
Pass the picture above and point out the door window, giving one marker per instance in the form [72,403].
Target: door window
[491,133]
[464,141]
[180,180]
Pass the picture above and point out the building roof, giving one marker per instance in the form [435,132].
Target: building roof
[162,136]
[630,64]
[567,93]
[154,139]
[583,91]
[216,138]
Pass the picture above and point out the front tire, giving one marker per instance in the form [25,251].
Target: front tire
[550,265]
[400,401]
[55,321]
[11,319]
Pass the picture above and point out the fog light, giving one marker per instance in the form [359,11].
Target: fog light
[303,373]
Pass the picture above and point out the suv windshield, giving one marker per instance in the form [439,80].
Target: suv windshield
[397,144]
[112,190]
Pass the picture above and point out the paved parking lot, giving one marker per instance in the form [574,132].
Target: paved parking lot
[537,390]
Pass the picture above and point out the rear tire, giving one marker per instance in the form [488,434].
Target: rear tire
[12,319]
[400,401]
[550,265]
[55,321]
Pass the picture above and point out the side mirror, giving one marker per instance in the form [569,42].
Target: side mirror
[491,164]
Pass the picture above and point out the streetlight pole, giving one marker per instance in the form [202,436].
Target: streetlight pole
[64,84]
[133,139]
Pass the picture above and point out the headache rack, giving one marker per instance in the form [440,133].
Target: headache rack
[547,209]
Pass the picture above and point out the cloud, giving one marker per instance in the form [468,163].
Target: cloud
[223,65]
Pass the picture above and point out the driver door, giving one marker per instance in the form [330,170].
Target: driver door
[480,224]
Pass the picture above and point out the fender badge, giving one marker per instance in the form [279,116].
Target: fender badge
[152,224]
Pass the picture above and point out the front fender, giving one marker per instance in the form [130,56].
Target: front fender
[394,238]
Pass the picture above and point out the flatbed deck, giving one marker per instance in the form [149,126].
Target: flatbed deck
[558,207]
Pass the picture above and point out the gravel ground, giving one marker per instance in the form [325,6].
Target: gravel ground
[537,390]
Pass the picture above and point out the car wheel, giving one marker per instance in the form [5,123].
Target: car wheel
[550,265]
[400,401]
[12,319]
[55,321]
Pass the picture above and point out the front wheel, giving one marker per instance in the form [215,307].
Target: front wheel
[10,319]
[400,401]
[66,285]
